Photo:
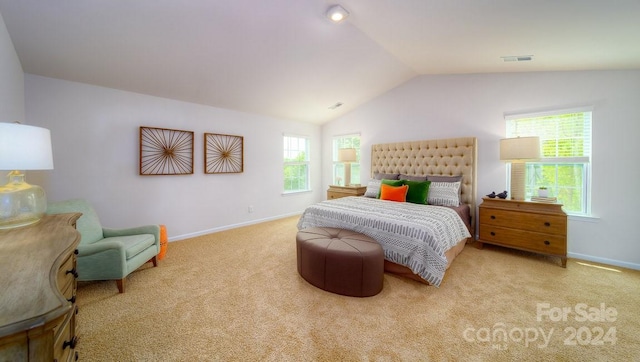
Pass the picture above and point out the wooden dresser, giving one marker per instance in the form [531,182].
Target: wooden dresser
[38,283]
[336,192]
[531,226]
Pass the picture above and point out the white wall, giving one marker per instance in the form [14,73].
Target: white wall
[95,137]
[11,80]
[431,107]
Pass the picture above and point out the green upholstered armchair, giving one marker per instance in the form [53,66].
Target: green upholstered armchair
[109,254]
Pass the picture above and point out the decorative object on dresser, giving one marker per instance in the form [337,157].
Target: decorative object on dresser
[543,192]
[23,147]
[518,151]
[165,151]
[109,254]
[547,200]
[336,192]
[347,155]
[223,153]
[38,281]
[524,225]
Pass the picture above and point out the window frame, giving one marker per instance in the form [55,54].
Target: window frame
[306,162]
[533,170]
[337,167]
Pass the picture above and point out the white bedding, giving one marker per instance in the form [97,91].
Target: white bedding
[416,236]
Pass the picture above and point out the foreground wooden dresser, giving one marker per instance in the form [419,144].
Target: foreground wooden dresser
[531,226]
[38,286]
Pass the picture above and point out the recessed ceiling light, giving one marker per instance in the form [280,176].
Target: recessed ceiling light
[517,58]
[337,13]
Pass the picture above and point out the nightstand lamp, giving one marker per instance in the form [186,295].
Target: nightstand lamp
[347,155]
[518,151]
[23,147]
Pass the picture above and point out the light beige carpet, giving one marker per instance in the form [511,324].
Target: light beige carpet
[236,296]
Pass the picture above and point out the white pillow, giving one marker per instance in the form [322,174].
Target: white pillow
[444,194]
[373,188]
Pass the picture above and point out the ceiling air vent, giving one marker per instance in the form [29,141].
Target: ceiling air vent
[517,58]
[335,106]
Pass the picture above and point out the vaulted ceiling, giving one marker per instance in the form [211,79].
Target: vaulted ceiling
[285,59]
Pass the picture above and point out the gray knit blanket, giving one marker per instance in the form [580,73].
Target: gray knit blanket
[416,236]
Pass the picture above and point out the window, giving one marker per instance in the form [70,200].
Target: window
[296,164]
[347,141]
[565,147]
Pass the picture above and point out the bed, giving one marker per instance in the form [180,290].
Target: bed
[419,241]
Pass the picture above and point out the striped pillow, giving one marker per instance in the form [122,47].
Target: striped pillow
[373,188]
[444,194]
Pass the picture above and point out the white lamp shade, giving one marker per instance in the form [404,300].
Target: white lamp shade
[24,147]
[347,155]
[520,148]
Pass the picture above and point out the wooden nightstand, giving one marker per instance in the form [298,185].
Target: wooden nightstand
[336,192]
[525,225]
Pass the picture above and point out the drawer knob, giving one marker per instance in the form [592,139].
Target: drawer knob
[546,242]
[72,343]
[493,217]
[72,271]
[493,234]
[547,224]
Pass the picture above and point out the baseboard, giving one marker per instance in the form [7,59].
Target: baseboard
[228,227]
[618,263]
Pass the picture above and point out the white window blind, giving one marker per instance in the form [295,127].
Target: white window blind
[565,147]
[563,137]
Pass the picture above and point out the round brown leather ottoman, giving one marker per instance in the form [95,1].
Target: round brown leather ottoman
[340,261]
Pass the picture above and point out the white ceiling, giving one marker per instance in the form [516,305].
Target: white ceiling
[285,59]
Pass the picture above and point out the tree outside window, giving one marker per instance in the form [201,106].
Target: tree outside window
[296,164]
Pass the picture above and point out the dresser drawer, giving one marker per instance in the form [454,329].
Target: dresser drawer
[336,192]
[552,224]
[64,341]
[67,272]
[522,239]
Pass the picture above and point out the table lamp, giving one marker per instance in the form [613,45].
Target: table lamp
[518,151]
[23,147]
[347,155]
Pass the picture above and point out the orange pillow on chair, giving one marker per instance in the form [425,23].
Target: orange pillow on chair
[393,193]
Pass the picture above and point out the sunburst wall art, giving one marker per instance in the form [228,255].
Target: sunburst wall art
[223,153]
[165,151]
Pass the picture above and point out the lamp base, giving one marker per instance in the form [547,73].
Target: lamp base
[347,173]
[517,181]
[21,204]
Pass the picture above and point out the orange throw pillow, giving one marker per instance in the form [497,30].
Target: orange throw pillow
[393,193]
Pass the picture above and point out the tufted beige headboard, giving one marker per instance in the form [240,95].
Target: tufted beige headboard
[443,157]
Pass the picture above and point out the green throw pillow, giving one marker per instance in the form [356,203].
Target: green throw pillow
[390,183]
[418,191]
